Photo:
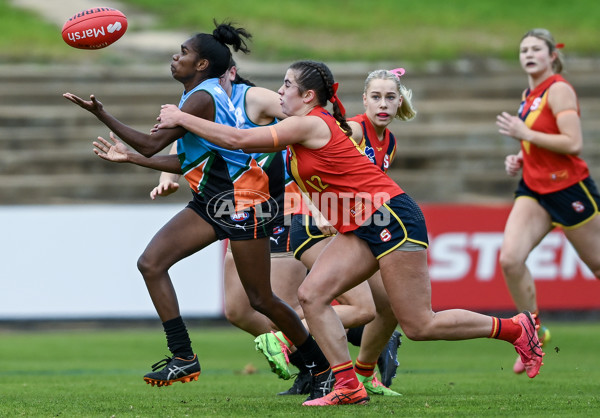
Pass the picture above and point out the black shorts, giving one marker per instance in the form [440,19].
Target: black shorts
[280,240]
[568,208]
[253,223]
[399,222]
[303,234]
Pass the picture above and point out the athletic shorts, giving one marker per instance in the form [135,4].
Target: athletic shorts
[280,242]
[303,234]
[239,226]
[398,224]
[570,207]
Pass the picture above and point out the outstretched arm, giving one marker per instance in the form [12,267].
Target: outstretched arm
[310,131]
[145,144]
[117,151]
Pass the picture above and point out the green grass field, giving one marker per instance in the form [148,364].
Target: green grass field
[337,30]
[98,373]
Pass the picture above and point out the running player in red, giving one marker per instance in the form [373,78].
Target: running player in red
[379,227]
[556,189]
[384,98]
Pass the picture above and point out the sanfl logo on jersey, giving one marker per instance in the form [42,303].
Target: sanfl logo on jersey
[536,103]
[385,235]
[370,152]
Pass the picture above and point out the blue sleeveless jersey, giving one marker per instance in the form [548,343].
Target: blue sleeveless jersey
[272,163]
[212,170]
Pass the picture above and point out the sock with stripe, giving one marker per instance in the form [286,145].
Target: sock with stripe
[505,329]
[345,376]
[364,369]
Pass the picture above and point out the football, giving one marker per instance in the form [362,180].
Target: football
[94,28]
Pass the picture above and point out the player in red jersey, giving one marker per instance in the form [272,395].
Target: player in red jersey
[385,98]
[379,227]
[556,189]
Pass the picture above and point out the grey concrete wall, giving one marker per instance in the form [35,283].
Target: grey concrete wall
[451,152]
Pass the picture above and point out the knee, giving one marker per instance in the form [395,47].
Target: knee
[510,263]
[307,296]
[414,333]
[261,304]
[416,330]
[146,265]
[366,314]
[233,314]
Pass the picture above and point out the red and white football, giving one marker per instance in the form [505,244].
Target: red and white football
[94,28]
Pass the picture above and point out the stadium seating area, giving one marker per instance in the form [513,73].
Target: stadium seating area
[450,153]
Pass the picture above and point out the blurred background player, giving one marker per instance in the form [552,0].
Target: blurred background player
[556,189]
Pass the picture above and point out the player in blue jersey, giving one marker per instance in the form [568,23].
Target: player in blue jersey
[230,200]
[256,106]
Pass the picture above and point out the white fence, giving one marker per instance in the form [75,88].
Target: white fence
[80,262]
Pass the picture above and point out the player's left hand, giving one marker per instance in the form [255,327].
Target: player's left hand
[116,152]
[510,125]
[169,116]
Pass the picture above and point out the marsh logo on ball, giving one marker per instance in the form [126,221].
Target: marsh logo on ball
[94,28]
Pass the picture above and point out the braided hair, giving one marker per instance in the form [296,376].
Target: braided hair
[316,76]
[214,47]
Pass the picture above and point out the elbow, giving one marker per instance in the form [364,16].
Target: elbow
[575,148]
[233,142]
[232,145]
[149,151]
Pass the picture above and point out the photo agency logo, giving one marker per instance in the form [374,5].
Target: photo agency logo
[353,208]
[241,208]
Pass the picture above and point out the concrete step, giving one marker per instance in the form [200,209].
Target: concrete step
[451,152]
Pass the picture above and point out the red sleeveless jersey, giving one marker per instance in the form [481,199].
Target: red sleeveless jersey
[546,171]
[381,153]
[344,185]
